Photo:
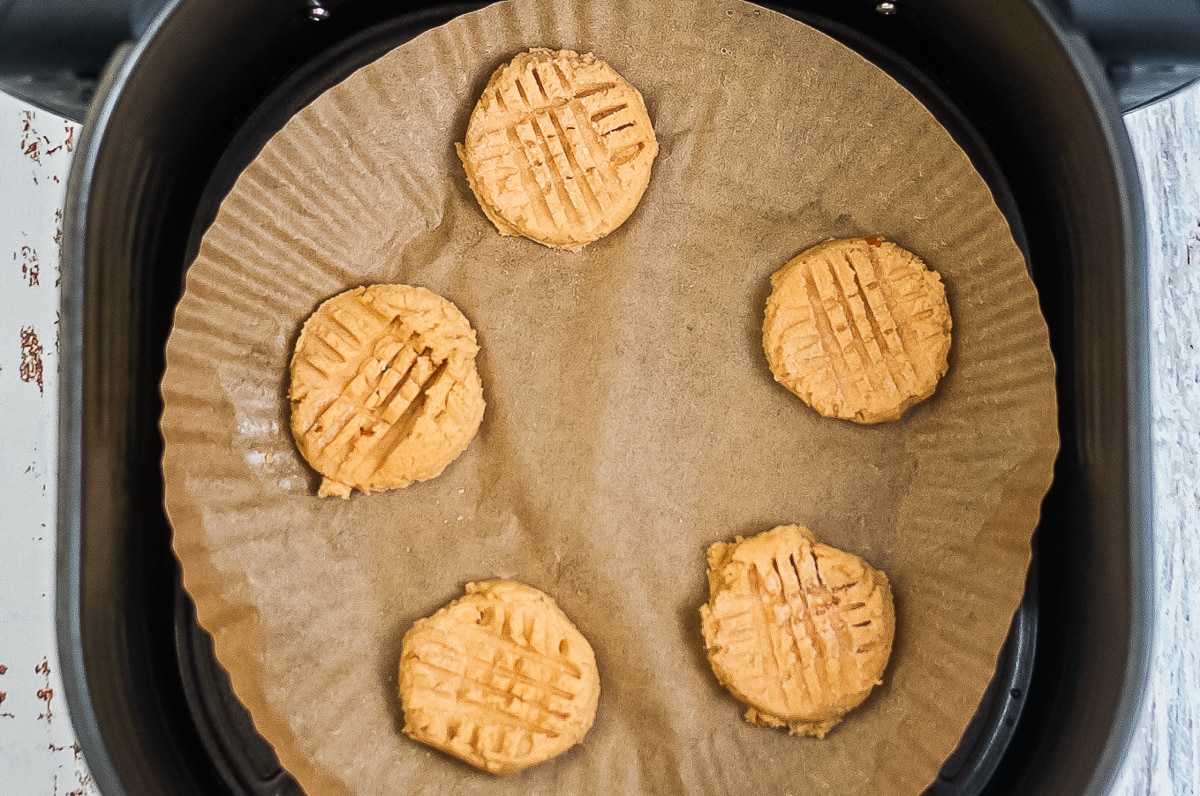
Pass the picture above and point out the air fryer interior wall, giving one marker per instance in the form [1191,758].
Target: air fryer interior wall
[51,53]
[1001,81]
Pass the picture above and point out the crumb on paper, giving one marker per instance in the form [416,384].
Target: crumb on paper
[260,427]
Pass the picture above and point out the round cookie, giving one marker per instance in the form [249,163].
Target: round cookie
[384,389]
[799,631]
[858,328]
[558,148]
[500,678]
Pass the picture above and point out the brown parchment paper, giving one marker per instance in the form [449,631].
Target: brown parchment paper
[631,418]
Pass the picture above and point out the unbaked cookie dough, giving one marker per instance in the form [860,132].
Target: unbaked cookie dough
[858,328]
[797,630]
[558,148]
[384,390]
[500,678]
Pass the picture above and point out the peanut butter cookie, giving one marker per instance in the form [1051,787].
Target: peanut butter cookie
[558,148]
[384,389]
[500,678]
[797,630]
[859,329]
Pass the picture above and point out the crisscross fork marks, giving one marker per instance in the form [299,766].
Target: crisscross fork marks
[591,148]
[410,402]
[847,306]
[478,678]
[799,611]
[559,148]
[832,614]
[390,394]
[778,631]
[391,328]
[546,659]
[484,674]
[362,391]
[472,708]
[562,177]
[528,109]
[887,306]
[394,374]
[888,353]
[872,345]
[583,179]
[552,160]
[404,370]
[826,337]
[768,634]
[526,172]
[857,333]
[548,687]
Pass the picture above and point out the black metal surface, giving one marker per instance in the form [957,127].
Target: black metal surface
[1023,99]
[1151,48]
[987,738]
[245,763]
[1066,151]
[52,51]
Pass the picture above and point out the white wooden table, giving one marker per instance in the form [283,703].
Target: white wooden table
[38,751]
[1165,754]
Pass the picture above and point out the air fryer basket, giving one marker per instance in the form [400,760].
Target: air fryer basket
[1028,104]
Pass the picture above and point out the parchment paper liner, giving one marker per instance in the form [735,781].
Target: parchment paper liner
[631,419]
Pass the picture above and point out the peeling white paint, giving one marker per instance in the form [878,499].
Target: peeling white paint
[38,750]
[1164,757]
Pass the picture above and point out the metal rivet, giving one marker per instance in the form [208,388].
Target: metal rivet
[886,8]
[316,11]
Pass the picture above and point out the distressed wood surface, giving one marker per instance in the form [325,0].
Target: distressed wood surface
[38,751]
[1164,757]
